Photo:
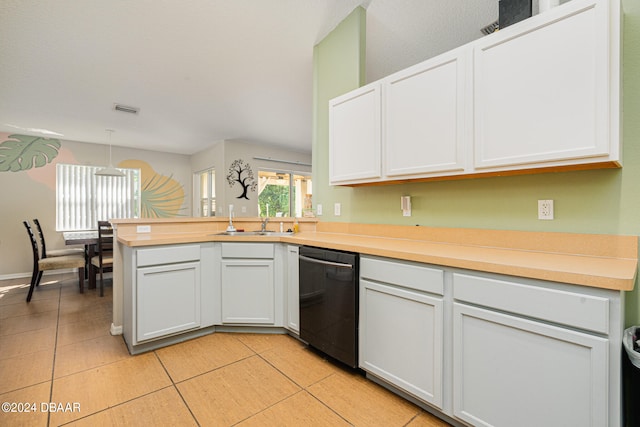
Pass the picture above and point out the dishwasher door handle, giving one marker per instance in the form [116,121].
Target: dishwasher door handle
[323,262]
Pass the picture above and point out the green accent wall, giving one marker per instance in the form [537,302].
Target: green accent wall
[598,201]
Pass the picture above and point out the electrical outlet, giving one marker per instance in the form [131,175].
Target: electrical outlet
[545,209]
[318,209]
[336,209]
[143,229]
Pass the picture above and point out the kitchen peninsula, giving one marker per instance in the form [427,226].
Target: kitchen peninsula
[492,300]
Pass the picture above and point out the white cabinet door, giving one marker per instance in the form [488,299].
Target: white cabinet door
[167,300]
[248,292]
[510,371]
[424,117]
[400,339]
[542,92]
[293,291]
[354,136]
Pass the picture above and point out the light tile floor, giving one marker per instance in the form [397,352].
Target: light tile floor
[57,349]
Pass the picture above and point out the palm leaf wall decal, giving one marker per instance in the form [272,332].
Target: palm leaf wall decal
[23,152]
[161,197]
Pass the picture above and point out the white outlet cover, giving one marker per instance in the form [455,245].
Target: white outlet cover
[336,209]
[318,209]
[545,209]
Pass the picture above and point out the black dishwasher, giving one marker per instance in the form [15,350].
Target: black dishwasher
[329,302]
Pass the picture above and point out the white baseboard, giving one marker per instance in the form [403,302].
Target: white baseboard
[116,330]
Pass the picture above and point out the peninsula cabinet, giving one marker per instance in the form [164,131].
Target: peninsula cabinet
[547,90]
[401,326]
[164,293]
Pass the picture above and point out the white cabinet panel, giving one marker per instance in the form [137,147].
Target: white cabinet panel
[293,290]
[511,371]
[354,136]
[167,300]
[424,117]
[400,339]
[542,89]
[248,293]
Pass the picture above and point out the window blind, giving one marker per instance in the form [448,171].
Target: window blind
[83,199]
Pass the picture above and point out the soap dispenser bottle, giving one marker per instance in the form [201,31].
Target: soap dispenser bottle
[296,226]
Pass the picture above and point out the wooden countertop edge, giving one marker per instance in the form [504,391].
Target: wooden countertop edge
[599,272]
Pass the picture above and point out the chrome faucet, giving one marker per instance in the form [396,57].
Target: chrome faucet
[264,224]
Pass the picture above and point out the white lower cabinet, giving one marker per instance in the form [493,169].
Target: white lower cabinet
[533,353]
[166,291]
[168,299]
[510,371]
[248,290]
[401,328]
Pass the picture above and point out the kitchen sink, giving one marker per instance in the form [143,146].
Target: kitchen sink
[254,233]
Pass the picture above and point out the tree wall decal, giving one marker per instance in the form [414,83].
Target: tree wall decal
[240,172]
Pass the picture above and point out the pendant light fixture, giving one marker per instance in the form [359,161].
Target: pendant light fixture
[110,170]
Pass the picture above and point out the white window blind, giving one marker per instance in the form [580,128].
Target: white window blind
[83,199]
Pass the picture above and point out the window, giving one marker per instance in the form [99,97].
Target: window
[206,182]
[283,194]
[83,199]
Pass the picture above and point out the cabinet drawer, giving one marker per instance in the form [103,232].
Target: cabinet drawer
[406,274]
[568,308]
[168,255]
[247,250]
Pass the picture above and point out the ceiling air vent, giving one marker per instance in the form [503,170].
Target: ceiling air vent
[126,109]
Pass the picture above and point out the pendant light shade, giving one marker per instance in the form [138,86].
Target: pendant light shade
[110,170]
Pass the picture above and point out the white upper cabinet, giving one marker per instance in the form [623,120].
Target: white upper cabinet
[543,90]
[542,93]
[424,117]
[354,136]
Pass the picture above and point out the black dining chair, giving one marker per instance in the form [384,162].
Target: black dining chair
[51,263]
[103,262]
[54,252]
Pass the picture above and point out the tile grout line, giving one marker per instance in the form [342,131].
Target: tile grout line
[173,384]
[55,349]
[302,389]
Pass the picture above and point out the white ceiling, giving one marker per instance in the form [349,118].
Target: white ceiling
[199,70]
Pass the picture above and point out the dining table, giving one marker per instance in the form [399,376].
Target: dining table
[88,238]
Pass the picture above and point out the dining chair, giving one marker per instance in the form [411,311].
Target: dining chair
[103,262]
[51,263]
[54,252]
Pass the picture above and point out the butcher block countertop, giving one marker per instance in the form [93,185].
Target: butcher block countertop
[596,260]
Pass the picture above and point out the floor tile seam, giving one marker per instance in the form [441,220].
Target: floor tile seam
[53,362]
[24,387]
[326,405]
[269,406]
[29,314]
[116,405]
[175,386]
[26,354]
[104,365]
[85,339]
[287,376]
[28,330]
[217,368]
